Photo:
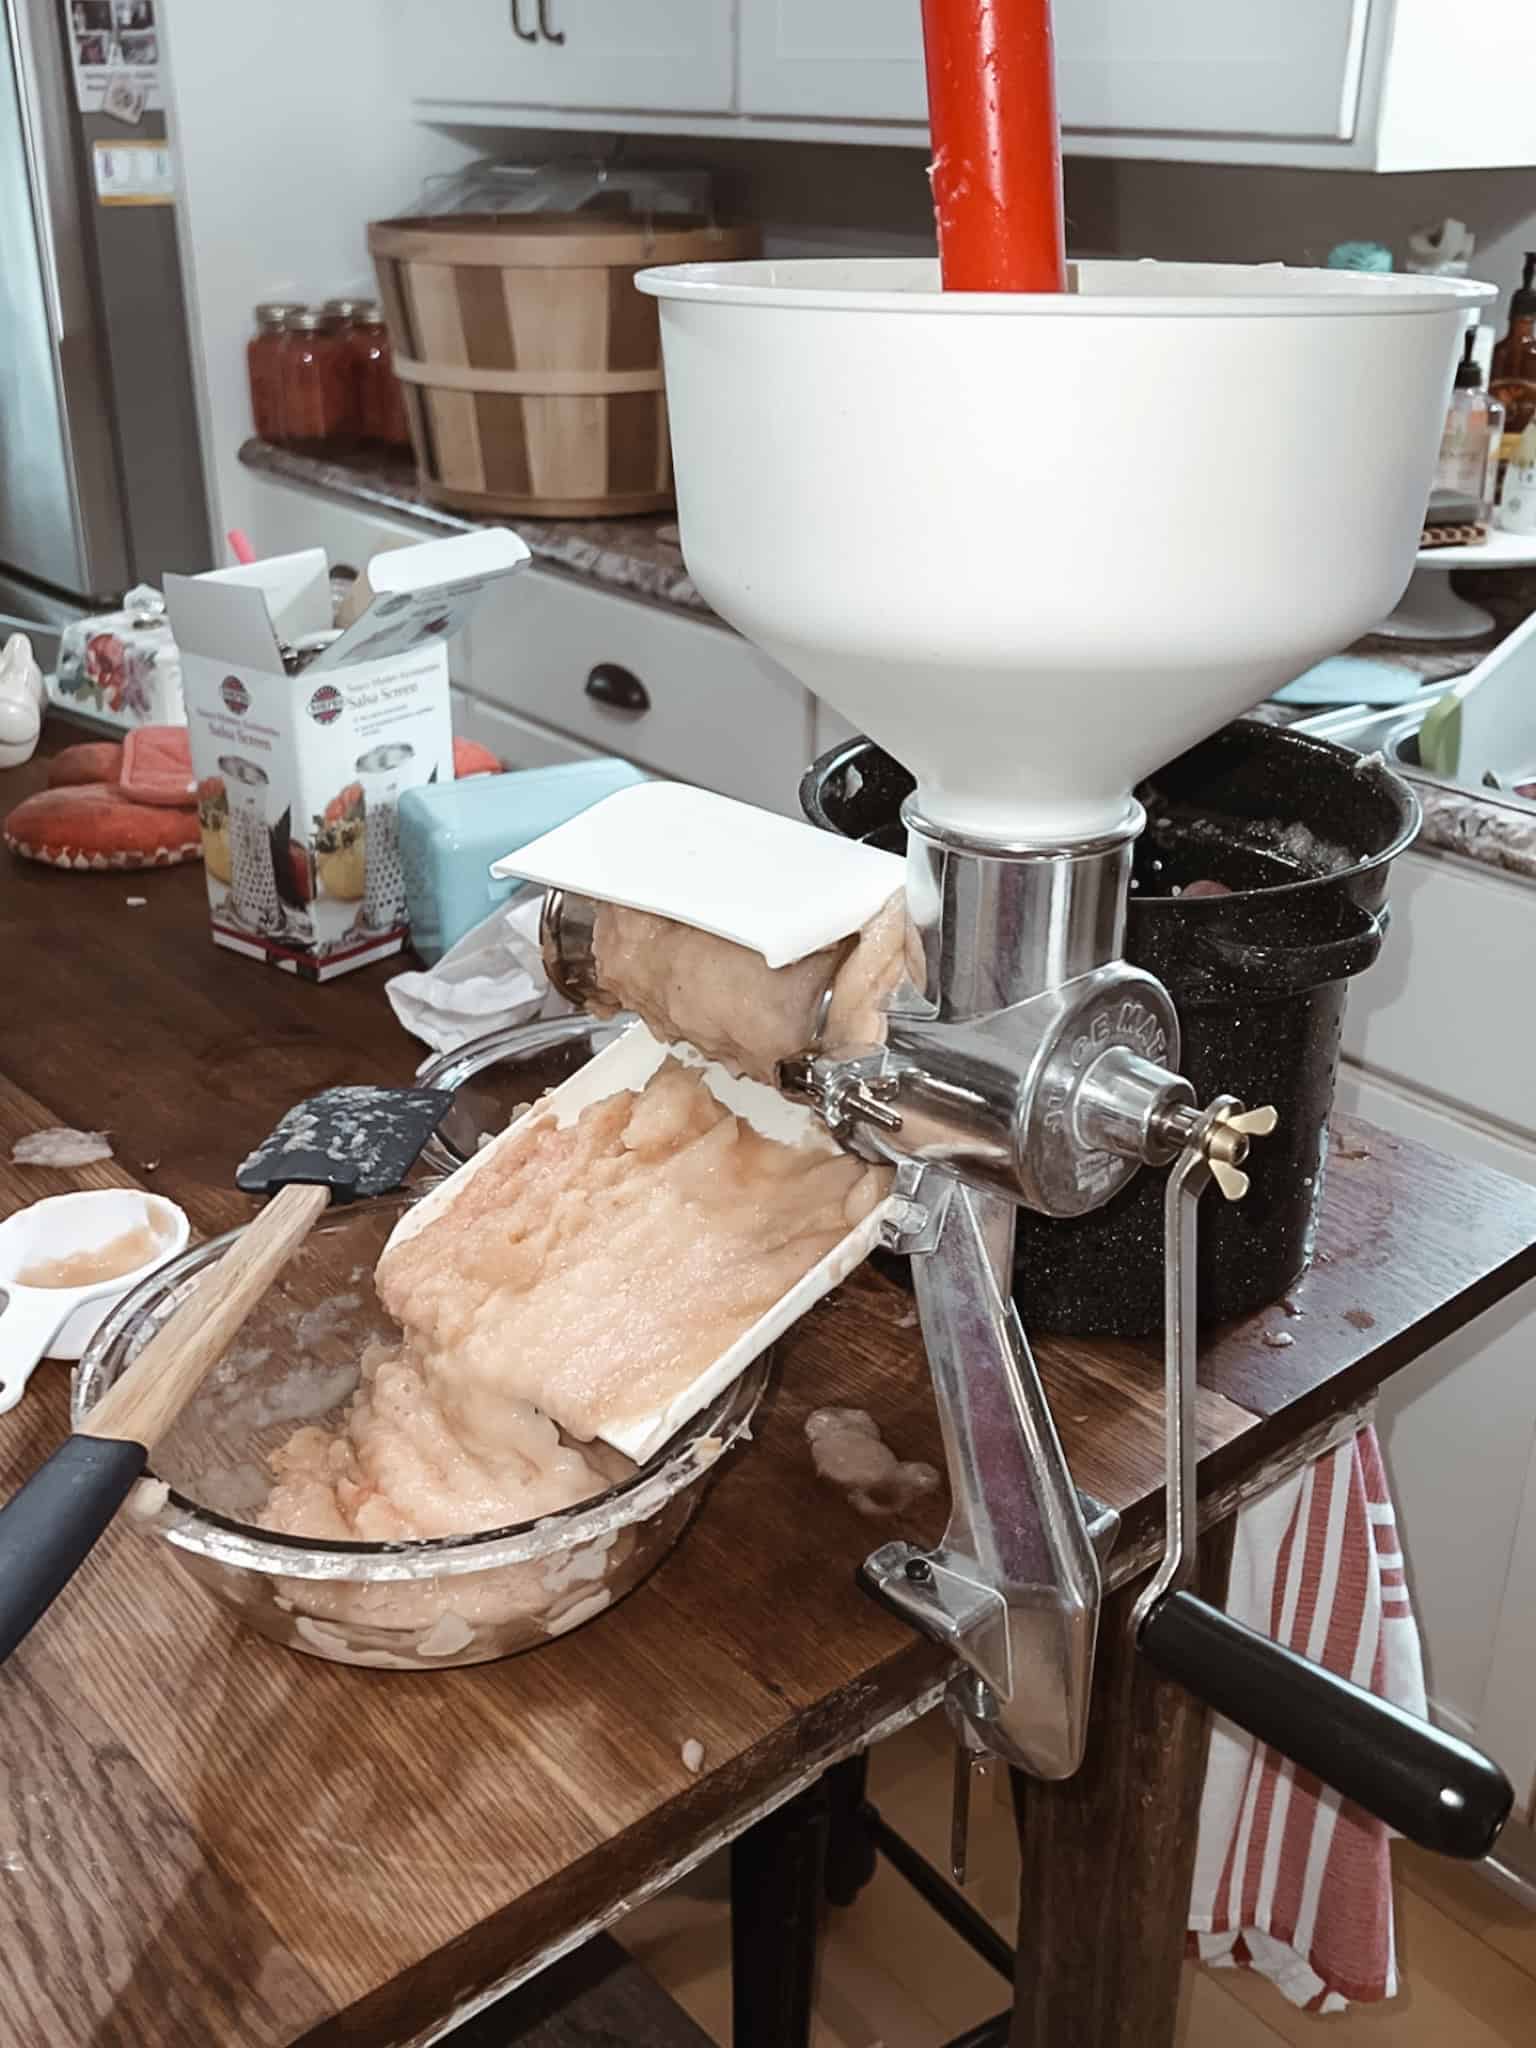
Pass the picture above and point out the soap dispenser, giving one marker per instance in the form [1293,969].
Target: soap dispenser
[1469,448]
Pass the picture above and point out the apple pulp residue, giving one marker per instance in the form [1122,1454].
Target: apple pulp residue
[689,986]
[125,1253]
[588,1274]
[848,1450]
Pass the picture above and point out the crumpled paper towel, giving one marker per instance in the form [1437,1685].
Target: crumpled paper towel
[494,976]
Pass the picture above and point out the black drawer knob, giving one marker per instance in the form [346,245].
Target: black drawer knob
[617,688]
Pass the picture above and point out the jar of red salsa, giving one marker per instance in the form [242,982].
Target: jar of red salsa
[317,386]
[380,401]
[263,360]
[337,315]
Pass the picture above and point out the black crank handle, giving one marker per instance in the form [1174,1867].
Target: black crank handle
[49,1528]
[1436,1790]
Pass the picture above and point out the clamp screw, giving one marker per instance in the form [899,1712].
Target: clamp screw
[1226,1145]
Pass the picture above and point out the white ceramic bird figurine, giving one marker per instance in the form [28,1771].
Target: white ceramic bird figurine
[23,700]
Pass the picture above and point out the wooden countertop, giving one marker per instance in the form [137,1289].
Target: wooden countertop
[206,1839]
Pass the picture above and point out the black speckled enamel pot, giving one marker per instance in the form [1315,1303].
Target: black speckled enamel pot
[1302,834]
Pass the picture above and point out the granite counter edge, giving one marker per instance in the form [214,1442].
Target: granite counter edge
[628,556]
[621,554]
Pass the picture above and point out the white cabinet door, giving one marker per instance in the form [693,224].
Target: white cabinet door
[653,56]
[1507,1727]
[1447,1008]
[1458,1430]
[1193,67]
[1210,67]
[858,60]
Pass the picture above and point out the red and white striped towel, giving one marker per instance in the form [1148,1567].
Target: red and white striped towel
[1290,1880]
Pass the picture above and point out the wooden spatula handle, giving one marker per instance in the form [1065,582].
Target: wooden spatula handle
[143,1404]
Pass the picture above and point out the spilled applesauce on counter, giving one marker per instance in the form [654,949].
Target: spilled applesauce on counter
[586,1274]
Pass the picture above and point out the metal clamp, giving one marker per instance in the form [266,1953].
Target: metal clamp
[1014,1587]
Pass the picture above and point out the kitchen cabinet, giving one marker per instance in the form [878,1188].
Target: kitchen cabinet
[556,668]
[1437,1049]
[1459,1425]
[833,59]
[1347,84]
[829,729]
[1211,67]
[1127,66]
[283,517]
[286,516]
[516,742]
[683,697]
[674,56]
[1446,1010]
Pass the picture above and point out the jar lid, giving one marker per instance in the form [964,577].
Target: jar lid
[303,322]
[343,309]
[272,312]
[368,313]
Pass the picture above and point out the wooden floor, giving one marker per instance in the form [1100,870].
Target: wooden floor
[893,1976]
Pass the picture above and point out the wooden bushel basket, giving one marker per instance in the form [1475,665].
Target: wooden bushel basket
[531,366]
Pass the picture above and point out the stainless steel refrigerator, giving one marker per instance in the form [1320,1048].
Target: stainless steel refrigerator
[101,475]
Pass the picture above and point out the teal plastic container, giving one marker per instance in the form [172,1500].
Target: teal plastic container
[450,832]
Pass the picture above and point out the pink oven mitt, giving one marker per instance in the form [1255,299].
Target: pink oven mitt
[157,767]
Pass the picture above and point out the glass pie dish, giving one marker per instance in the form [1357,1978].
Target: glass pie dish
[406,1606]
[496,1076]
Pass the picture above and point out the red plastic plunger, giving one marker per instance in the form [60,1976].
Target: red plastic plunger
[996,145]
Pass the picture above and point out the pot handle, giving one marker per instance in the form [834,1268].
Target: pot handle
[1429,1786]
[1282,969]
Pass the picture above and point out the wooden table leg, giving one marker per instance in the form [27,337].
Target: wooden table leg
[1108,1857]
[850,1845]
[778,1875]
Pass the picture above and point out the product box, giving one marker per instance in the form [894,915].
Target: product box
[303,739]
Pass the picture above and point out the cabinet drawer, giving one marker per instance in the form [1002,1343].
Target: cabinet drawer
[681,696]
[517,741]
[286,516]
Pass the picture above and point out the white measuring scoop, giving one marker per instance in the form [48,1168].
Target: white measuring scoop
[66,1227]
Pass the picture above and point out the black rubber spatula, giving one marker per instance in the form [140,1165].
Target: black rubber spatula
[343,1143]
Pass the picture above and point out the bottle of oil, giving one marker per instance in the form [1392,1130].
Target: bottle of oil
[1513,378]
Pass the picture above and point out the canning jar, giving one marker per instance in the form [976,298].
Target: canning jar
[317,386]
[264,366]
[380,401]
